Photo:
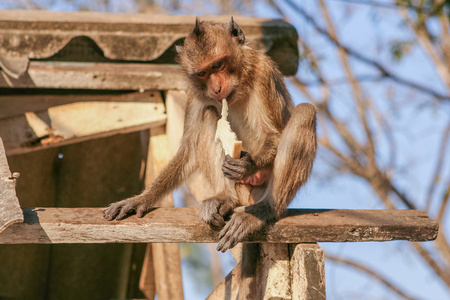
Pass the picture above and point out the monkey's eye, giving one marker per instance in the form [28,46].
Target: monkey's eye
[217,65]
[200,74]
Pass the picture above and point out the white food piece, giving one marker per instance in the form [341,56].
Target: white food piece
[226,136]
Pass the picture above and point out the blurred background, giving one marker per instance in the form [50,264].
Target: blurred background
[379,73]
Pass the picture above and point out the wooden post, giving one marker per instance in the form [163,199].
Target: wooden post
[307,271]
[276,271]
[163,260]
[161,272]
[10,211]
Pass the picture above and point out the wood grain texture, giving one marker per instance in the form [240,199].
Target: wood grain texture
[10,211]
[77,122]
[183,225]
[75,75]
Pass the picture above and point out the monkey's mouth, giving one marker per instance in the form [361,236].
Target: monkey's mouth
[230,95]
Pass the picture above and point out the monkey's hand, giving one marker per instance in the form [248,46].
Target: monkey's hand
[119,210]
[214,211]
[238,169]
[244,221]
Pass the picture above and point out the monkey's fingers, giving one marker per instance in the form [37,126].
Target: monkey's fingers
[210,212]
[111,211]
[125,210]
[240,226]
[216,222]
[233,171]
[230,235]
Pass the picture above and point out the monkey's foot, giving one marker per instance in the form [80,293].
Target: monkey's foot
[119,210]
[238,228]
[214,211]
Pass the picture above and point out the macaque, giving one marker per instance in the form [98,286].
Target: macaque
[279,140]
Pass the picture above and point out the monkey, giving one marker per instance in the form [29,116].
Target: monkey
[279,141]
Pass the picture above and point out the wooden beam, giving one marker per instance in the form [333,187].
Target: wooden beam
[76,122]
[109,76]
[183,225]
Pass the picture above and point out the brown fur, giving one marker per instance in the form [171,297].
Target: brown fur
[220,64]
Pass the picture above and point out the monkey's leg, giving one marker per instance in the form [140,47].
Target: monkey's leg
[295,157]
[292,166]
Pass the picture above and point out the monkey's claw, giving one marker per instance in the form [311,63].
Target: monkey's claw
[121,209]
[215,211]
[240,226]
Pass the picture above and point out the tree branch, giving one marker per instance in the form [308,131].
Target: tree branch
[371,273]
[384,72]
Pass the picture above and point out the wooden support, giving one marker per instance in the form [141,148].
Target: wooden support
[76,122]
[162,259]
[53,225]
[307,265]
[10,211]
[280,271]
[111,76]
[229,287]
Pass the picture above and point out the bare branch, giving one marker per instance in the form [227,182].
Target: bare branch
[443,274]
[371,273]
[424,39]
[384,72]
[357,92]
[437,171]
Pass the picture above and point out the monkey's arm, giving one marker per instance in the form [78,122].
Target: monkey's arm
[172,176]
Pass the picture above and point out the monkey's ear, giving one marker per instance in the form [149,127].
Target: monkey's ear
[198,29]
[236,32]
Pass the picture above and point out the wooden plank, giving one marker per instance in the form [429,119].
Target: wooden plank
[307,266]
[110,76]
[18,102]
[10,211]
[76,122]
[183,225]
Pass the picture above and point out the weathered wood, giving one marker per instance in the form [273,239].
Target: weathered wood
[307,265]
[176,102]
[18,102]
[228,288]
[183,225]
[76,122]
[131,37]
[75,75]
[93,173]
[10,211]
[273,273]
[165,258]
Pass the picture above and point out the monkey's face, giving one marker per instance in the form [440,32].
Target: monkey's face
[211,57]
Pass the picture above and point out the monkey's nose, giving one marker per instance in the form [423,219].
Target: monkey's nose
[217,90]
